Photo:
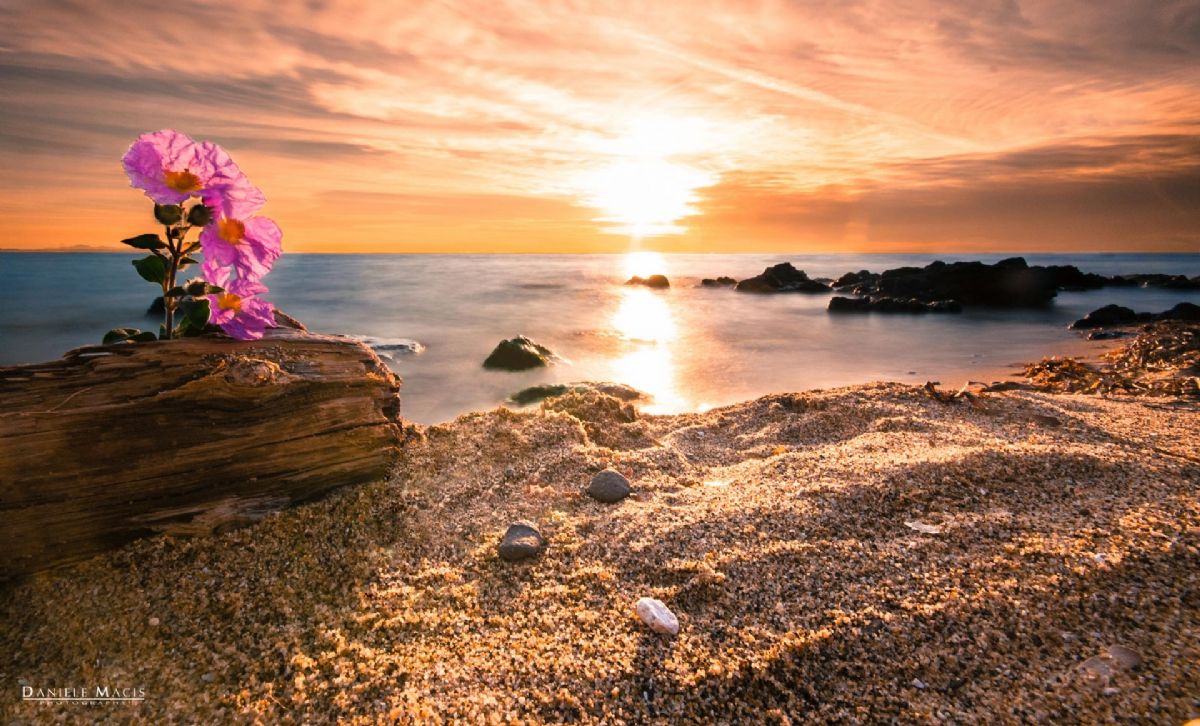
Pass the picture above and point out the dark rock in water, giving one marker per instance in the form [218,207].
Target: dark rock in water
[521,541]
[533,394]
[1107,334]
[855,278]
[1105,316]
[782,278]
[718,282]
[1008,283]
[157,308]
[1182,311]
[655,281]
[518,354]
[892,305]
[609,487]
[1113,315]
[1068,277]
[1174,282]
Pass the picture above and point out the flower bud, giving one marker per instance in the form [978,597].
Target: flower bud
[168,213]
[199,215]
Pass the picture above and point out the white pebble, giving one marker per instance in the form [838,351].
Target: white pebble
[655,614]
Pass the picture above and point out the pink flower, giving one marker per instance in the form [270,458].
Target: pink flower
[229,191]
[168,166]
[238,310]
[250,245]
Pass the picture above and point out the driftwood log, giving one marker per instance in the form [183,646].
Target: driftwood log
[114,442]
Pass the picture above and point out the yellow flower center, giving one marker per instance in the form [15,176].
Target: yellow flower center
[231,230]
[182,181]
[229,301]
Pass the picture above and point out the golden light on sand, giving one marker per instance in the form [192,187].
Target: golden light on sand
[647,188]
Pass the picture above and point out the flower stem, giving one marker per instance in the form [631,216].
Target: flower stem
[168,284]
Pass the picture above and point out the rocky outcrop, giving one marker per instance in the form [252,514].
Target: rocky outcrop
[658,282]
[718,282]
[189,436]
[1008,283]
[781,278]
[891,305]
[1116,315]
[518,354]
[1173,282]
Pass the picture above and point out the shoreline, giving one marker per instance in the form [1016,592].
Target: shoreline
[866,553]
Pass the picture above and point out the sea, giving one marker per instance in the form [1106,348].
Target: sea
[434,319]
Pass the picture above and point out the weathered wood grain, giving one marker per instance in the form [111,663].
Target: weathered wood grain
[114,442]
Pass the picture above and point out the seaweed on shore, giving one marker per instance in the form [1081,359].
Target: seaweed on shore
[1163,360]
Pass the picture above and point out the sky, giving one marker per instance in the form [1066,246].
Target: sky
[576,126]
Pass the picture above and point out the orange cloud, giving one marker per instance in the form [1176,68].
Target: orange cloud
[523,125]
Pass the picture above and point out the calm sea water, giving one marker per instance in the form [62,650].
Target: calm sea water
[690,347]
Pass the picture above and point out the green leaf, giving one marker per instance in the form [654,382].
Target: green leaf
[119,335]
[145,337]
[189,261]
[177,291]
[145,242]
[152,268]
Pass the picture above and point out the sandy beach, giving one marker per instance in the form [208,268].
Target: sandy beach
[861,554]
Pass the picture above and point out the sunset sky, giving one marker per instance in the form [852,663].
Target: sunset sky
[811,125]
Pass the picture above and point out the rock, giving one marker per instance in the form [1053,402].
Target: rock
[855,278]
[718,282]
[782,278]
[609,487]
[1114,315]
[392,346]
[533,394]
[1008,283]
[657,615]
[1182,311]
[656,281]
[1068,277]
[1105,316]
[521,541]
[892,305]
[1174,282]
[1107,334]
[157,308]
[518,354]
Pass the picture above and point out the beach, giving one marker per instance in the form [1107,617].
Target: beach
[860,554]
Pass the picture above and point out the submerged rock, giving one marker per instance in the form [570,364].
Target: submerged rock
[608,487]
[782,278]
[657,615]
[655,281]
[1174,282]
[521,541]
[718,282]
[892,305]
[533,394]
[518,354]
[855,278]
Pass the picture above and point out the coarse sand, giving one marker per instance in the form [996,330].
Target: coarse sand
[865,554]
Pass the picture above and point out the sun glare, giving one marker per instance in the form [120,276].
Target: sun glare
[644,316]
[645,190]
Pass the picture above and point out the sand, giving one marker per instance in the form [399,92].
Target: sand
[863,554]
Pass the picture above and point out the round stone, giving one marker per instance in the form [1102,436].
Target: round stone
[609,487]
[521,541]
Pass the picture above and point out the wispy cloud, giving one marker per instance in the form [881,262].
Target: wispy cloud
[481,125]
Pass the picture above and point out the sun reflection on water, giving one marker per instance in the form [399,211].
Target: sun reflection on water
[644,316]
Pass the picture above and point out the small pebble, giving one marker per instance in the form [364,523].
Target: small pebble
[657,615]
[609,487]
[154,622]
[521,541]
[920,684]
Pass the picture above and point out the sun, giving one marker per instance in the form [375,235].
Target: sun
[646,189]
